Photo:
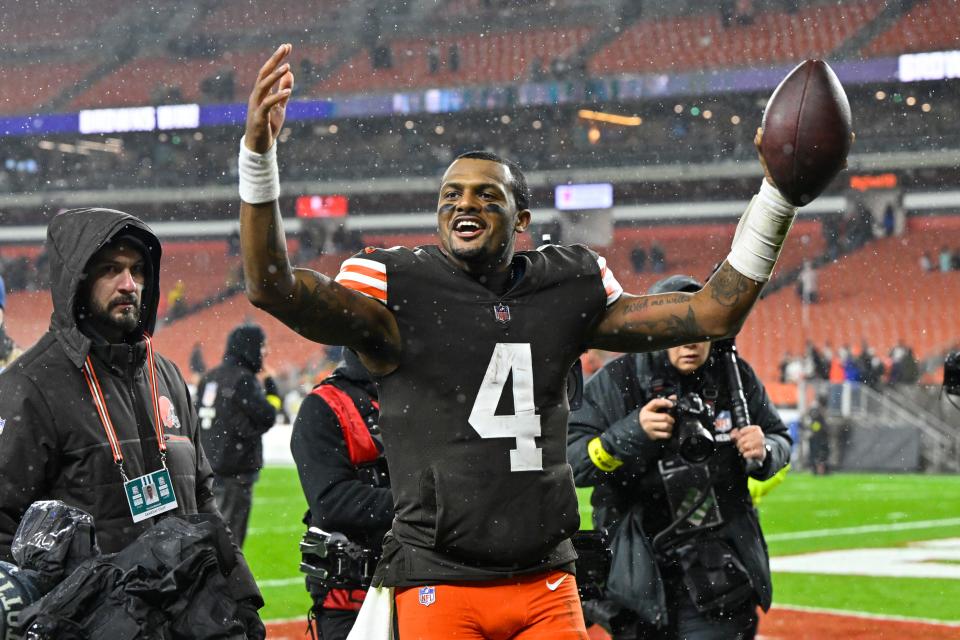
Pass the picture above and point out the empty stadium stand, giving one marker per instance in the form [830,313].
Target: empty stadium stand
[484,58]
[53,21]
[25,90]
[931,25]
[141,79]
[701,41]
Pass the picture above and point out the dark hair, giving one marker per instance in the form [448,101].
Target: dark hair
[518,184]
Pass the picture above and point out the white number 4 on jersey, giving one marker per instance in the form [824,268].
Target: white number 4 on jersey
[524,424]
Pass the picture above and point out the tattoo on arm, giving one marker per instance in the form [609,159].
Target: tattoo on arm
[728,286]
[643,303]
[675,326]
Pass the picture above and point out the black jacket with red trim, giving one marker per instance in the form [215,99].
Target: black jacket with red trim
[336,445]
[52,442]
[349,496]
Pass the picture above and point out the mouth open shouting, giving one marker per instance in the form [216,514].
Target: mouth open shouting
[468,227]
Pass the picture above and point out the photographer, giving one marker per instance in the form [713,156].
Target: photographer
[336,445]
[656,438]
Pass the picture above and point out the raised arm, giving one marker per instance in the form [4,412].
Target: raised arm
[650,323]
[654,322]
[308,302]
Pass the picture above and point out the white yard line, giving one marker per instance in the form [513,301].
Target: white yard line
[869,616]
[869,528]
[252,531]
[937,559]
[281,582]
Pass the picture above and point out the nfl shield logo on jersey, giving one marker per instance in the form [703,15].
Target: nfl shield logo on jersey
[428,595]
[501,312]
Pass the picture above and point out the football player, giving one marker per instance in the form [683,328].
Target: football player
[470,343]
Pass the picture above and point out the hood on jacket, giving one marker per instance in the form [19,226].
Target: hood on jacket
[351,368]
[73,237]
[674,283]
[245,347]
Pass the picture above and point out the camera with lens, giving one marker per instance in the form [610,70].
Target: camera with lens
[335,562]
[692,418]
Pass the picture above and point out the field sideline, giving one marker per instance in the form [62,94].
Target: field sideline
[909,517]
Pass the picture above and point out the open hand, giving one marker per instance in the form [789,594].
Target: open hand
[267,106]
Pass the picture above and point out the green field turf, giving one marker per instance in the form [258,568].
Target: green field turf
[832,512]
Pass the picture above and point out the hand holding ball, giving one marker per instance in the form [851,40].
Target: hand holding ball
[806,132]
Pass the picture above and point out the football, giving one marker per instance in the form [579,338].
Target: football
[806,132]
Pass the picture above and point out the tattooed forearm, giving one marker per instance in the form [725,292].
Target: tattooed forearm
[655,301]
[670,328]
[728,287]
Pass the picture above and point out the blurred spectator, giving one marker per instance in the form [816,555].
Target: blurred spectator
[837,374]
[453,57]
[815,422]
[904,368]
[744,12]
[946,259]
[638,259]
[658,259]
[807,284]
[955,261]
[233,243]
[870,366]
[791,369]
[235,410]
[926,264]
[851,369]
[537,72]
[726,12]
[817,366]
[197,365]
[433,58]
[3,299]
[176,301]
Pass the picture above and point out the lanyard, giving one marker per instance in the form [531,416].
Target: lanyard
[100,403]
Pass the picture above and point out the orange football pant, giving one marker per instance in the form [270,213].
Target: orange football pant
[543,606]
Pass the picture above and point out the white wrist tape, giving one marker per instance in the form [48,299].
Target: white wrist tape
[259,176]
[760,234]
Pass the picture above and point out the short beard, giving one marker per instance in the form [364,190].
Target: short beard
[124,324]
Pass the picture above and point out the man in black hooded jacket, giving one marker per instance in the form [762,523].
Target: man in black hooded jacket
[91,405]
[235,410]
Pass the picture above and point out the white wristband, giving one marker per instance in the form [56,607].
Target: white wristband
[259,176]
[760,234]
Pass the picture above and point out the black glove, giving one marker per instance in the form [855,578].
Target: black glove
[250,619]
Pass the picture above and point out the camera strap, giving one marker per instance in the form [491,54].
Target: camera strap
[631,381]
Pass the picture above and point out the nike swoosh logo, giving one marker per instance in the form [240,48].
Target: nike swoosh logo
[553,585]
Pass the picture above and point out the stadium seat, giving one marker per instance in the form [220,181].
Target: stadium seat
[693,42]
[863,297]
[928,26]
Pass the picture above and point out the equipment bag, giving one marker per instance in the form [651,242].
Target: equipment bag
[713,574]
